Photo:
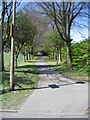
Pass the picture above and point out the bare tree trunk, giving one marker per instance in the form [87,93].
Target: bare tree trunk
[31,56]
[16,62]
[32,52]
[24,59]
[3,69]
[1,73]
[60,59]
[56,55]
[69,56]
[2,51]
[57,59]
[27,57]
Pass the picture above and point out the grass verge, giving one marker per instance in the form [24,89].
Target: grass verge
[25,81]
[75,73]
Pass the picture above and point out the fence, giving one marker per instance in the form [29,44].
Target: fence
[7,58]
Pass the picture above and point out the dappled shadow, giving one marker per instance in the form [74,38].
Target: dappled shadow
[5,78]
[45,69]
[19,78]
[45,66]
[27,66]
[40,69]
[26,71]
[37,69]
[32,69]
[23,81]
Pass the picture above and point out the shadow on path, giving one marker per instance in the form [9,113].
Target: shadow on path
[41,69]
[53,86]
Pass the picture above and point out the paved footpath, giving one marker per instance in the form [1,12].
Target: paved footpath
[55,97]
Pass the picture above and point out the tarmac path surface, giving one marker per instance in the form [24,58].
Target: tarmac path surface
[55,97]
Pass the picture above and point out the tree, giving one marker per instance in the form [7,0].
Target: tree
[54,41]
[80,53]
[41,26]
[25,32]
[6,19]
[0,52]
[2,23]
[64,14]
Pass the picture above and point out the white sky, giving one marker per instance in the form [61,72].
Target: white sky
[77,37]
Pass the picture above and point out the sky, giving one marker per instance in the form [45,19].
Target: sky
[80,33]
[75,33]
[52,0]
[77,36]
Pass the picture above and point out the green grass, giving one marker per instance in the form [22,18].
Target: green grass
[75,73]
[7,59]
[25,79]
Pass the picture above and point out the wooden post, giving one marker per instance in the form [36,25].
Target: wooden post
[12,49]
